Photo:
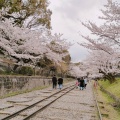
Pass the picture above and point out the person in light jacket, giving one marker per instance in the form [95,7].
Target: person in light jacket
[85,82]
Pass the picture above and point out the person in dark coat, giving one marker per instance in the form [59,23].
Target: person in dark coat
[54,81]
[60,82]
[82,83]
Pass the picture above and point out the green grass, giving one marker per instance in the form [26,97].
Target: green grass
[113,88]
[105,103]
[22,92]
[107,98]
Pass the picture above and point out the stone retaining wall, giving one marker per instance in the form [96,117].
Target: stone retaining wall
[9,84]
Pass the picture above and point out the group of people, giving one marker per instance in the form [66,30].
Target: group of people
[81,83]
[58,81]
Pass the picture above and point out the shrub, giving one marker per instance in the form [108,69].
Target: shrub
[25,70]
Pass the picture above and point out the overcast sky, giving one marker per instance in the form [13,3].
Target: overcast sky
[65,19]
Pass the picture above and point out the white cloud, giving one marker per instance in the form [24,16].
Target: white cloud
[65,19]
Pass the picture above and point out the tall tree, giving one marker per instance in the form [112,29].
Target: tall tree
[16,42]
[101,63]
[30,13]
[105,40]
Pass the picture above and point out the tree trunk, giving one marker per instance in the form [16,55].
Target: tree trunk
[110,77]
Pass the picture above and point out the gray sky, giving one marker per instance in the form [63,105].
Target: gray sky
[65,19]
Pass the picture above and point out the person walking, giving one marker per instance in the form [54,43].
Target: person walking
[95,83]
[60,82]
[54,81]
[81,83]
[77,83]
[85,82]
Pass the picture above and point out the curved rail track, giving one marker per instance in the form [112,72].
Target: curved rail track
[31,110]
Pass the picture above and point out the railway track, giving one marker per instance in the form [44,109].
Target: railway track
[31,110]
[76,105]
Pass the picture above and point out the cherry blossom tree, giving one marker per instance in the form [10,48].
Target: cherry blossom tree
[106,35]
[23,41]
[77,70]
[102,64]
[28,47]
[104,42]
